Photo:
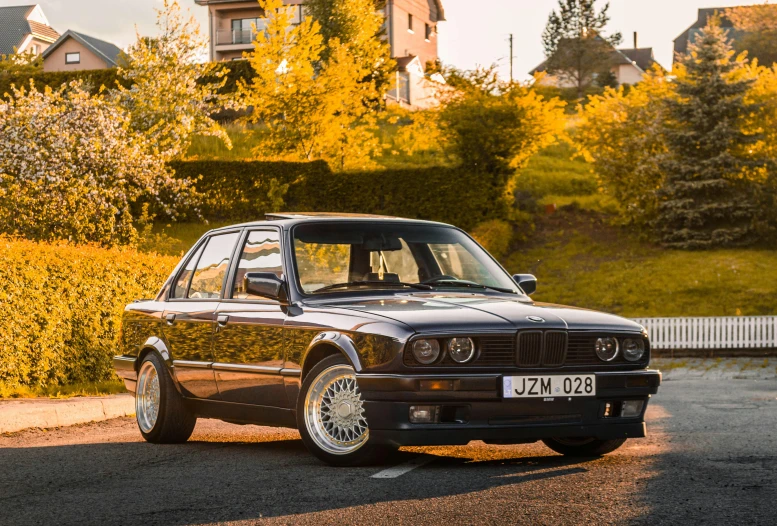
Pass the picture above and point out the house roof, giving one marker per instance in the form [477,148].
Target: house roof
[704,14]
[108,52]
[15,27]
[440,10]
[643,57]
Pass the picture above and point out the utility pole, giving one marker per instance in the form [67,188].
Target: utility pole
[511,58]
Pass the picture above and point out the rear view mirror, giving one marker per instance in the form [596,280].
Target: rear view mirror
[527,282]
[381,244]
[265,285]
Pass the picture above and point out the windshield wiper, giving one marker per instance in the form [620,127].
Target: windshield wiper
[470,284]
[419,286]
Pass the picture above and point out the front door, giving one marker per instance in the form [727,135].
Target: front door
[249,341]
[189,317]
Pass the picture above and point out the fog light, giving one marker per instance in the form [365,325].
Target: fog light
[424,414]
[632,408]
[607,410]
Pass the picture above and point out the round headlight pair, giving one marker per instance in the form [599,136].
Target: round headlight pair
[426,352]
[607,349]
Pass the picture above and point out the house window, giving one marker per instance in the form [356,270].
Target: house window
[35,50]
[410,22]
[73,58]
[428,32]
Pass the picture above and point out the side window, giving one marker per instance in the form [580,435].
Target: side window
[182,283]
[261,253]
[212,267]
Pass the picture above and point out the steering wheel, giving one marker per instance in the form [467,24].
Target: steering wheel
[444,277]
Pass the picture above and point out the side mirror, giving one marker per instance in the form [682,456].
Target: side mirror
[527,282]
[266,285]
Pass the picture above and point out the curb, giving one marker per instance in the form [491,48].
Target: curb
[16,415]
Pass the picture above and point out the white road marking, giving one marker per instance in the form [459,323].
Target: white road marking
[406,467]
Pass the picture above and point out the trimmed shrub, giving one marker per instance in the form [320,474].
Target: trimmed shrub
[94,78]
[240,190]
[63,306]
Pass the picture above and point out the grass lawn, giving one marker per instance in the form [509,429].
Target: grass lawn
[581,259]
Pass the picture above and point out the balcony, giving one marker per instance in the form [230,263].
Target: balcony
[231,37]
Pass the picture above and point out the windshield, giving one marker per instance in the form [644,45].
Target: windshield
[334,257]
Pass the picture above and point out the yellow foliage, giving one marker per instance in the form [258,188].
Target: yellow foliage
[621,133]
[495,236]
[312,109]
[63,306]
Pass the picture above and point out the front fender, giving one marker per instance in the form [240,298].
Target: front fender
[338,340]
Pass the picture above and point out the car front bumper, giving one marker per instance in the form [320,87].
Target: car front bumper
[472,408]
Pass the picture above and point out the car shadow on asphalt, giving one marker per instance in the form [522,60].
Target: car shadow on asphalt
[201,482]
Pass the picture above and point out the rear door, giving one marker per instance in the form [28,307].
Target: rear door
[189,318]
[249,341]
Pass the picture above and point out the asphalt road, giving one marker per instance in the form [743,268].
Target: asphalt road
[711,457]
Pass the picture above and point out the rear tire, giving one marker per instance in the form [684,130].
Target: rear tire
[162,416]
[583,447]
[330,416]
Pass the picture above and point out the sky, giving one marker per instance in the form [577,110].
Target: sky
[475,33]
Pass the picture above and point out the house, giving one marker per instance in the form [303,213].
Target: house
[627,66]
[411,26]
[25,29]
[704,14]
[75,51]
[411,88]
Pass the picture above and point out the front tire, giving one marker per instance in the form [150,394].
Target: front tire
[330,416]
[583,447]
[159,408]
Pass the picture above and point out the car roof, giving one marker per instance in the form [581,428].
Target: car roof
[289,219]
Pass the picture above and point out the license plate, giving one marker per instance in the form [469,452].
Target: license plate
[549,386]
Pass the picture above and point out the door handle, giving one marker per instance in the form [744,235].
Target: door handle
[222,320]
[170,318]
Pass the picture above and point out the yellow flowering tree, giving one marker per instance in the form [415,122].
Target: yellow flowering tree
[621,133]
[310,109]
[71,168]
[494,127]
[172,92]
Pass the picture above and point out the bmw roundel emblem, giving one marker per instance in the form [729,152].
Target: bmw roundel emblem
[535,319]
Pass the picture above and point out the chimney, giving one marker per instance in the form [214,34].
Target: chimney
[635,40]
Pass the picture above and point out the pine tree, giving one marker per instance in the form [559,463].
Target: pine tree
[707,200]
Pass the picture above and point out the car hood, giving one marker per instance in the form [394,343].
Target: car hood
[458,312]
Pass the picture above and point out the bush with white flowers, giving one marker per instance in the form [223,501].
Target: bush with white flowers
[71,168]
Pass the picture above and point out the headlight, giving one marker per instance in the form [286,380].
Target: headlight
[633,350]
[461,350]
[426,351]
[606,349]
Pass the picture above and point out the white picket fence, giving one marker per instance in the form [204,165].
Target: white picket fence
[735,332]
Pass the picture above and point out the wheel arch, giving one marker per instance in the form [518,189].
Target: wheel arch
[330,344]
[157,346]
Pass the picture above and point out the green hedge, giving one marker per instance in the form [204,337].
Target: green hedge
[95,77]
[239,69]
[62,308]
[241,190]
